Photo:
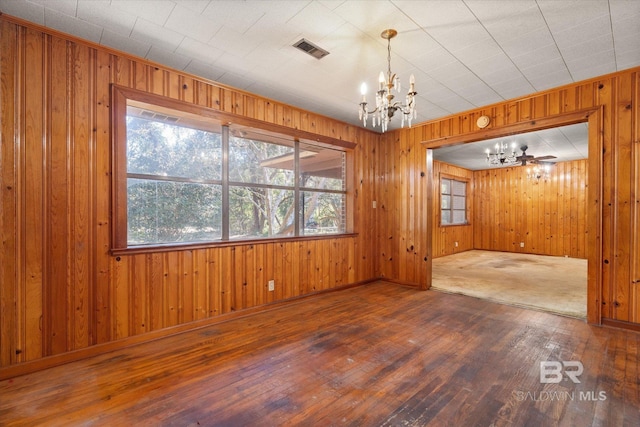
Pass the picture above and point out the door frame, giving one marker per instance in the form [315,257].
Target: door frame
[595,119]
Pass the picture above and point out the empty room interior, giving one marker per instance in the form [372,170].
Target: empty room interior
[224,213]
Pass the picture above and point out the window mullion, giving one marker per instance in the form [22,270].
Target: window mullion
[296,189]
[225,182]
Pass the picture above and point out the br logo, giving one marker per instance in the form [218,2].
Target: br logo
[552,372]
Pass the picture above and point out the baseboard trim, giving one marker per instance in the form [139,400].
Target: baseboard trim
[98,349]
[621,324]
[400,282]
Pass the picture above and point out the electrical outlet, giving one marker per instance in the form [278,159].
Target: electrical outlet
[374,204]
[522,244]
[272,285]
[455,244]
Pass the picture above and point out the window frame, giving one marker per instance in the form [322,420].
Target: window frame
[466,201]
[120,98]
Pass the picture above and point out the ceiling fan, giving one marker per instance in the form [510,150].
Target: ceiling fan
[525,158]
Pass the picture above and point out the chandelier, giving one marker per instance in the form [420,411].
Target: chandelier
[500,157]
[385,105]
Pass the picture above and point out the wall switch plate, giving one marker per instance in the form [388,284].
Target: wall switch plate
[522,244]
[272,285]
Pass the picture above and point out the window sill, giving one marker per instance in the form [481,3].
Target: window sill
[173,247]
[466,224]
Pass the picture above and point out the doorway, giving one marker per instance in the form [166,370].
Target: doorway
[594,119]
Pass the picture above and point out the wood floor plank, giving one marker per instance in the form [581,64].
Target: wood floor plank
[379,354]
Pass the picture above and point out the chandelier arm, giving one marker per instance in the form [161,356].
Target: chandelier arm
[364,108]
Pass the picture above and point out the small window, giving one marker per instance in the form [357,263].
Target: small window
[453,202]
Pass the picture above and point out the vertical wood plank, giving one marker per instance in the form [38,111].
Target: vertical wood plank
[58,297]
[102,326]
[10,191]
[34,119]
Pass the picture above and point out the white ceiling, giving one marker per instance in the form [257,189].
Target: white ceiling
[565,143]
[464,53]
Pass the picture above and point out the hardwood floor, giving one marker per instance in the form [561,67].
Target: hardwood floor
[379,354]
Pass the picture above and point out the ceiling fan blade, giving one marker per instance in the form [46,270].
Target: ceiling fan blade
[537,159]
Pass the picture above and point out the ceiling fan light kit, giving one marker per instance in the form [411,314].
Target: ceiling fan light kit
[540,171]
[501,157]
[386,107]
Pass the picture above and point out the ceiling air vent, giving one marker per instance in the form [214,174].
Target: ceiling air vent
[311,49]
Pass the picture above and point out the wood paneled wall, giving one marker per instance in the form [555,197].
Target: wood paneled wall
[403,243]
[616,97]
[548,216]
[445,238]
[60,288]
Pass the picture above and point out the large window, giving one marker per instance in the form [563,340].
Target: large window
[453,202]
[185,178]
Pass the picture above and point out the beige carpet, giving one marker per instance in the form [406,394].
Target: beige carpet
[553,284]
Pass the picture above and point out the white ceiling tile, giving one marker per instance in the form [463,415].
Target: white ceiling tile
[207,71]
[621,9]
[379,16]
[437,13]
[514,88]
[67,7]
[533,57]
[232,63]
[197,6]
[433,60]
[70,25]
[239,15]
[155,11]
[167,57]
[191,24]
[590,30]
[555,64]
[600,63]
[228,40]
[449,72]
[628,45]
[101,13]
[455,38]
[527,42]
[480,99]
[547,80]
[119,42]
[315,21]
[346,38]
[201,51]
[25,10]
[428,111]
[505,19]
[464,53]
[148,32]
[273,19]
[493,69]
[235,80]
[475,52]
[562,15]
[587,48]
